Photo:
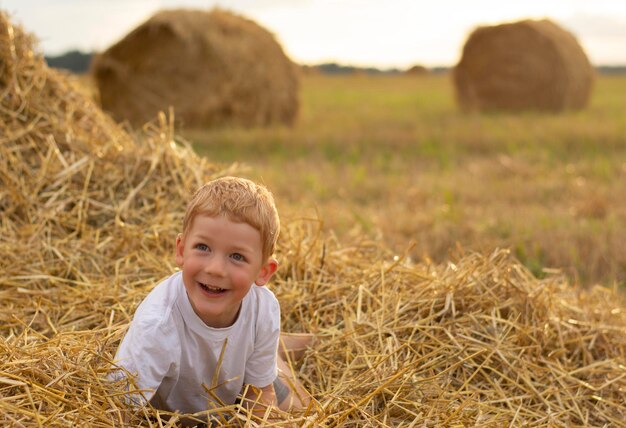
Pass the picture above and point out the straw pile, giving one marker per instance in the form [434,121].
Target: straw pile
[88,221]
[478,342]
[87,217]
[213,68]
[523,65]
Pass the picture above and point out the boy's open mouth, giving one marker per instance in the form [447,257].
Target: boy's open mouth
[211,289]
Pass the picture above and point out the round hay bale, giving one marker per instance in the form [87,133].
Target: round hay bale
[212,67]
[523,65]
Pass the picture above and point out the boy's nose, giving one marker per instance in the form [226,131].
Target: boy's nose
[215,266]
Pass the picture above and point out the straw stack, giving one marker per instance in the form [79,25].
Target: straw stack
[87,217]
[88,221]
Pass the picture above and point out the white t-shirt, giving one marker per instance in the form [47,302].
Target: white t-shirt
[173,352]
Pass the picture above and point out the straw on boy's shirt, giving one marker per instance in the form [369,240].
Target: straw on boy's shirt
[257,402]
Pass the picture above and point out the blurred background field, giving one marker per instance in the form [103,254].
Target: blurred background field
[392,156]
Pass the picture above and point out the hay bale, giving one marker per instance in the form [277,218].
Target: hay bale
[523,65]
[213,67]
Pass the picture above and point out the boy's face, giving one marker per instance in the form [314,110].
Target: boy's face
[221,260]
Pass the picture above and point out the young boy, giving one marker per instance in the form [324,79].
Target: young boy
[209,335]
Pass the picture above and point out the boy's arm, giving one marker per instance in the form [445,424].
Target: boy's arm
[146,354]
[261,367]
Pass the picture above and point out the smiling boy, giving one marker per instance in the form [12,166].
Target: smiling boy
[205,333]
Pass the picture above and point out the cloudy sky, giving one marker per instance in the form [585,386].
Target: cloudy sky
[382,33]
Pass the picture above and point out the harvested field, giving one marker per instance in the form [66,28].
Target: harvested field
[89,215]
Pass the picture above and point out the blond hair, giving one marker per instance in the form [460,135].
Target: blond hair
[241,200]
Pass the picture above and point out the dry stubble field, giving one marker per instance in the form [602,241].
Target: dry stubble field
[393,157]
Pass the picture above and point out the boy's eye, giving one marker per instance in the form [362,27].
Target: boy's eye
[202,247]
[238,257]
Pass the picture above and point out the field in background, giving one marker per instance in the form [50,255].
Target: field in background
[392,157]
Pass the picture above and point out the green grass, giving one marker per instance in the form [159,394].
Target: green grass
[393,157]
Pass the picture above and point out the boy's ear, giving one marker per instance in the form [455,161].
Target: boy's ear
[180,247]
[267,271]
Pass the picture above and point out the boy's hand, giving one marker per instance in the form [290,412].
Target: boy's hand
[257,400]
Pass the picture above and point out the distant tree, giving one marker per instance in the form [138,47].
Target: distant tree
[417,70]
[74,61]
[611,69]
[441,69]
[334,68]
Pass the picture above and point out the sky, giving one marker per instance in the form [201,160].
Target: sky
[378,33]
